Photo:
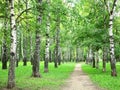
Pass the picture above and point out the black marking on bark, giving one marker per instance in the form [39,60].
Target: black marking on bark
[12,53]
[111,42]
[111,20]
[110,24]
[12,7]
[111,37]
[12,15]
[14,26]
[47,34]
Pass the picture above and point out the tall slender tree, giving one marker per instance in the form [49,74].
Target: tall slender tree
[25,40]
[111,37]
[57,53]
[36,61]
[5,46]
[11,73]
[47,40]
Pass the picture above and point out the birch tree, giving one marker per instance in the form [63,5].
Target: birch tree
[5,46]
[36,61]
[57,47]
[111,12]
[11,73]
[47,40]
[25,40]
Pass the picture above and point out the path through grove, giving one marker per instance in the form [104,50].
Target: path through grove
[79,81]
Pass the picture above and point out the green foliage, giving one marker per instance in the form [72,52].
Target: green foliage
[103,79]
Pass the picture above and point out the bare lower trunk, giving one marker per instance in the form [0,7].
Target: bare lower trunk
[11,73]
[36,61]
[17,54]
[90,56]
[87,57]
[25,51]
[104,58]
[4,56]
[50,57]
[4,64]
[17,62]
[55,59]
[70,54]
[25,61]
[93,60]
[97,60]
[77,58]
[59,56]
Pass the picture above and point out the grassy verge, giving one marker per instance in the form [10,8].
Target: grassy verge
[103,79]
[49,81]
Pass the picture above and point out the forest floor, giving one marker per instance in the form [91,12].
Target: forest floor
[79,81]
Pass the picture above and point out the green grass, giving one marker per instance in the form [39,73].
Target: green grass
[103,79]
[49,81]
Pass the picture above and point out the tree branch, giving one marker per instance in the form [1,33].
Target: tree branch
[22,13]
[2,16]
[114,6]
[23,19]
[107,6]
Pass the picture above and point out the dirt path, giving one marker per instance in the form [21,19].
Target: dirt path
[79,81]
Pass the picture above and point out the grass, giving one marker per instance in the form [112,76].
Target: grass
[49,81]
[103,79]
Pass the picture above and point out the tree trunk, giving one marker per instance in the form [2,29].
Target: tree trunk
[4,56]
[26,40]
[24,51]
[70,54]
[19,53]
[93,60]
[59,55]
[111,38]
[77,54]
[31,49]
[36,61]
[104,58]
[90,56]
[0,52]
[11,73]
[4,51]
[97,59]
[47,41]
[87,58]
[50,57]
[57,59]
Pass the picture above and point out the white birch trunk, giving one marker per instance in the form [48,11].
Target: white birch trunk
[11,73]
[36,61]
[47,41]
[111,38]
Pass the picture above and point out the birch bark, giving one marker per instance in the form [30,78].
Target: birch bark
[11,73]
[47,40]
[36,61]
